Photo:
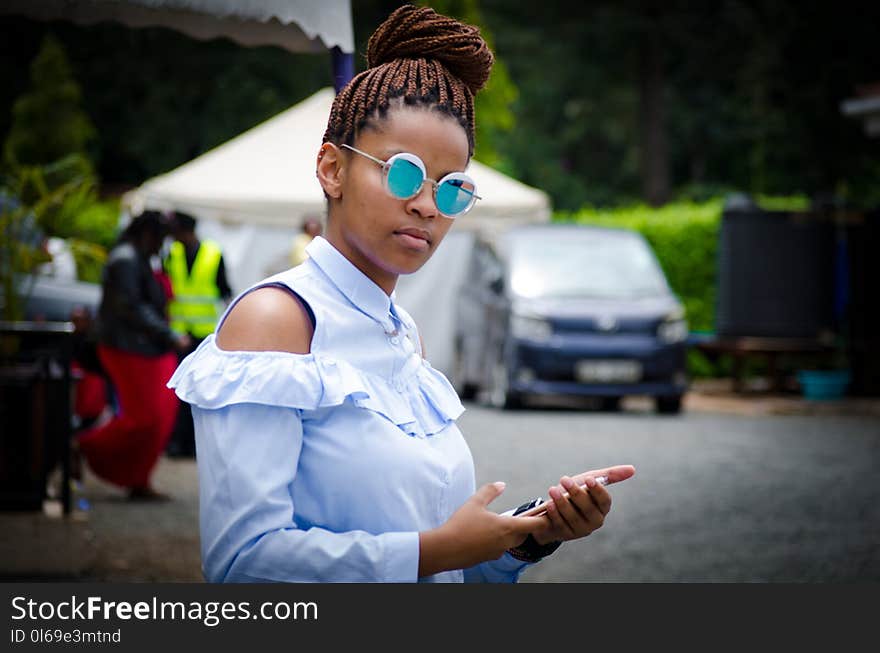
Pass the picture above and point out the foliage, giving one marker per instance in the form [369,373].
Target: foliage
[51,181]
[752,93]
[32,201]
[48,121]
[90,227]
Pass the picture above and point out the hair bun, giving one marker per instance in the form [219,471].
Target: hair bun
[421,33]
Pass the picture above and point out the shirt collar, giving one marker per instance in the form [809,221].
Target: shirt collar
[354,284]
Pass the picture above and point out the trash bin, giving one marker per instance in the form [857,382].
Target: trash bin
[35,411]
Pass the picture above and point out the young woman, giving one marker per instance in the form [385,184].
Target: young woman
[327,445]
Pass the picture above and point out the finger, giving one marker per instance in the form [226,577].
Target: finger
[600,497]
[582,500]
[585,506]
[614,474]
[566,512]
[526,525]
[488,493]
[557,523]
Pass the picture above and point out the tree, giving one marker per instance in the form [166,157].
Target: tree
[48,121]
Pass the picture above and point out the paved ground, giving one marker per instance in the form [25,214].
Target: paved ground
[752,489]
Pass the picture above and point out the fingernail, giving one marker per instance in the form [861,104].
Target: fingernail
[500,485]
[567,483]
[590,482]
[555,492]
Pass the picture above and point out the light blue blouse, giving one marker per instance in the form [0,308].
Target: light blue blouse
[326,466]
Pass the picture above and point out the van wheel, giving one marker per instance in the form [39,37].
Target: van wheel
[610,404]
[670,405]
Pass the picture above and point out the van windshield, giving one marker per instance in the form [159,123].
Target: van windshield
[592,264]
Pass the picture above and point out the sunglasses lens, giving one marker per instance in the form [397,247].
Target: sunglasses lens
[455,196]
[404,178]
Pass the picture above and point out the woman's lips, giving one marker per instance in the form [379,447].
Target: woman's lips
[417,239]
[412,242]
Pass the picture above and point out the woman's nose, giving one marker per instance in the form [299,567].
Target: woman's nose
[423,202]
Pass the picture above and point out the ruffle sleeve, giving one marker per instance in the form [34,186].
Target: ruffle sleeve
[421,401]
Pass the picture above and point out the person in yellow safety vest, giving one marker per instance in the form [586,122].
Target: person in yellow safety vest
[311,227]
[200,288]
[198,280]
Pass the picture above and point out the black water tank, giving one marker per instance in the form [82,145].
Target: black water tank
[775,273]
[863,309]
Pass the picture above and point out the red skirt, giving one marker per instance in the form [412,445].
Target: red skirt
[125,450]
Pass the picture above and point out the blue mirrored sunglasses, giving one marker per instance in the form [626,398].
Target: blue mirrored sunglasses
[403,175]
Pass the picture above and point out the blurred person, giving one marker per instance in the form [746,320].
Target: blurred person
[198,284]
[327,444]
[310,229]
[62,264]
[91,399]
[136,349]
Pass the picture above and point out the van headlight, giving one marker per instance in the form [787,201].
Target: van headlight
[671,331]
[530,328]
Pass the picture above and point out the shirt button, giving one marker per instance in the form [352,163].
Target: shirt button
[330,362]
[394,340]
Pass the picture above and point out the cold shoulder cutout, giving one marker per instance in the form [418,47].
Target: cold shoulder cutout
[268,318]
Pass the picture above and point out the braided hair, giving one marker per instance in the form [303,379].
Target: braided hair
[417,57]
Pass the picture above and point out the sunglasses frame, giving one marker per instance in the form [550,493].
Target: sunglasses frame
[416,161]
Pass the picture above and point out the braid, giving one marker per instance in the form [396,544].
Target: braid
[419,58]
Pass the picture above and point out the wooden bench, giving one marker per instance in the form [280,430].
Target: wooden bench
[740,349]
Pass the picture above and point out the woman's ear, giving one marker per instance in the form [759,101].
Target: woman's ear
[329,170]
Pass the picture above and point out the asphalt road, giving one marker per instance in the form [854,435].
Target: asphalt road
[715,498]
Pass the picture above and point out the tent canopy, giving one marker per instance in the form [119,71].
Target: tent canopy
[253,192]
[296,25]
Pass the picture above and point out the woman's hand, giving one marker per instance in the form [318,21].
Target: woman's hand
[584,509]
[474,534]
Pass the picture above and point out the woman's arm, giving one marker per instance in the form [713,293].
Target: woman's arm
[248,460]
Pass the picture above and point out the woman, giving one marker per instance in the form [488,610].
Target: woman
[136,349]
[327,445]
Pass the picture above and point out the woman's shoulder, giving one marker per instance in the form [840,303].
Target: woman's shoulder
[268,318]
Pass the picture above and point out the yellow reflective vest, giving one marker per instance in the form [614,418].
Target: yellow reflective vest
[194,309]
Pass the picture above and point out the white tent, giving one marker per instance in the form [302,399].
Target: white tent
[252,194]
[296,25]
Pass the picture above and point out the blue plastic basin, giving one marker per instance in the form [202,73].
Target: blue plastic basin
[823,384]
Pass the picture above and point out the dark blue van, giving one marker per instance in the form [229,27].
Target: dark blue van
[561,309]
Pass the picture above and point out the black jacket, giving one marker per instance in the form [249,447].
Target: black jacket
[132,312]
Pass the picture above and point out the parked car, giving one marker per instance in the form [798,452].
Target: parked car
[569,310]
[54,299]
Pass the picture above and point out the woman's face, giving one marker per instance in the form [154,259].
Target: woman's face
[382,235]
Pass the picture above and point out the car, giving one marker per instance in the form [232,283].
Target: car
[54,299]
[568,309]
